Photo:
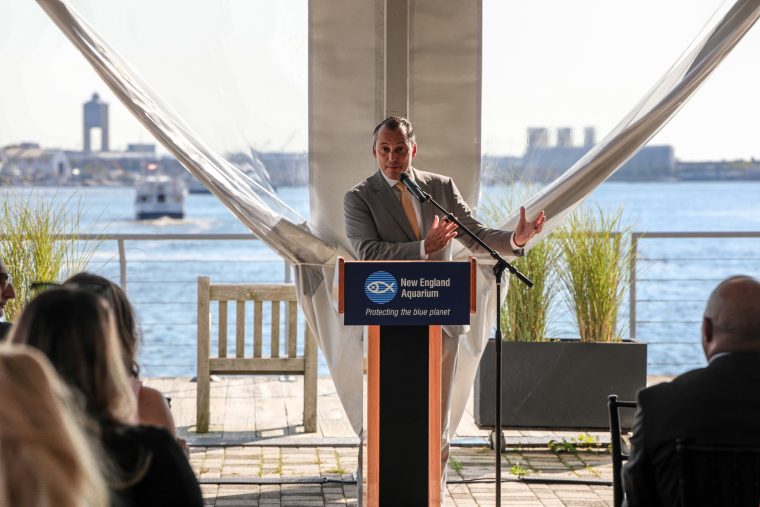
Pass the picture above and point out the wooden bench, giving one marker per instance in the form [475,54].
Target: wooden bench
[274,364]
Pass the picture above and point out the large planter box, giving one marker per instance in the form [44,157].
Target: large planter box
[560,384]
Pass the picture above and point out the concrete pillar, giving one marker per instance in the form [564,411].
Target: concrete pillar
[372,58]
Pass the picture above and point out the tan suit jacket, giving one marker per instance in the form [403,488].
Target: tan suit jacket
[379,230]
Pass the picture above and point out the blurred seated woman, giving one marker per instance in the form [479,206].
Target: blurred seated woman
[152,407]
[75,329]
[46,459]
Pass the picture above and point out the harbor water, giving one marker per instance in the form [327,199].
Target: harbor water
[675,275]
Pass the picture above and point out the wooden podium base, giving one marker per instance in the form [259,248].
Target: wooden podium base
[403,417]
[401,437]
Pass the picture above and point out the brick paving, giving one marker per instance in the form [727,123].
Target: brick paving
[471,473]
[258,455]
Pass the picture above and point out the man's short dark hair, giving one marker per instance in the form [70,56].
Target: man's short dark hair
[396,123]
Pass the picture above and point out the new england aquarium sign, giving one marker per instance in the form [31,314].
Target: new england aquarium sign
[406,293]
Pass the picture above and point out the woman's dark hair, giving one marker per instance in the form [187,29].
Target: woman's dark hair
[126,324]
[75,330]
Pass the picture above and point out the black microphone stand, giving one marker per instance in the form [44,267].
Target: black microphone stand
[498,271]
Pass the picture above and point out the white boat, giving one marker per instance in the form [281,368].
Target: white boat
[160,196]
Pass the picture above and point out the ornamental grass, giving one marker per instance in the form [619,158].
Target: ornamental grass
[39,241]
[594,271]
[526,311]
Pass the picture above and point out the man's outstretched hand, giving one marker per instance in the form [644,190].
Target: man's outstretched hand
[525,230]
[439,235]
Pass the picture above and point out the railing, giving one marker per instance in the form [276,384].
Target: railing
[672,276]
[159,273]
[121,240]
[637,236]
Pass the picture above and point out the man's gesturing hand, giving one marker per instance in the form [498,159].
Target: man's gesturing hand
[439,235]
[526,230]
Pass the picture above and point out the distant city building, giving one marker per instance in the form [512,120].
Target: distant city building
[95,115]
[145,148]
[29,163]
[564,137]
[650,163]
[121,166]
[538,137]
[286,169]
[589,137]
[542,162]
[719,170]
[500,169]
[546,163]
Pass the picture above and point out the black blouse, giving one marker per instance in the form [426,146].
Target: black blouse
[167,480]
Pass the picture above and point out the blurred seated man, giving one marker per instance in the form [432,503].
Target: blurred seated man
[716,404]
[6,293]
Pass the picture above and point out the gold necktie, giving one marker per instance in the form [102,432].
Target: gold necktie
[409,209]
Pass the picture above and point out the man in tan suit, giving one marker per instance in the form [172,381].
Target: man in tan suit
[378,226]
[384,222]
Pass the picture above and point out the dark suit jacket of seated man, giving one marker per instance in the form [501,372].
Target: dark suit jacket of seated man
[716,404]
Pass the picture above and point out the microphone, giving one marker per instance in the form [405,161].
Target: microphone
[415,189]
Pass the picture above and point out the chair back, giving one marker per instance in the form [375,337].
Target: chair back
[718,475]
[616,446]
[244,353]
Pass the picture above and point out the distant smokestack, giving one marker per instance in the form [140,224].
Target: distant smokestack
[538,137]
[565,137]
[589,137]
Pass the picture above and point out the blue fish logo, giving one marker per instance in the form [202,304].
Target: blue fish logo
[380,287]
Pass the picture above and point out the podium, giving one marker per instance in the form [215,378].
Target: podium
[404,304]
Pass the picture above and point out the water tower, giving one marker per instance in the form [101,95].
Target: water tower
[95,116]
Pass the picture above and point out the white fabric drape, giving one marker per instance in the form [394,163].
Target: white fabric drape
[290,235]
[719,36]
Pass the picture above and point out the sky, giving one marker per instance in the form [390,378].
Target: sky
[236,72]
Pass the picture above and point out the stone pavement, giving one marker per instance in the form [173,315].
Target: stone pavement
[471,473]
[257,454]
